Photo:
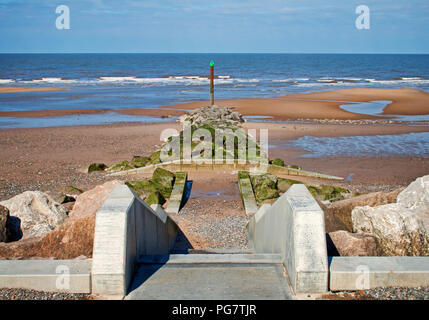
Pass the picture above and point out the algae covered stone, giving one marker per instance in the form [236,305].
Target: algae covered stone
[264,187]
[124,165]
[155,198]
[278,162]
[284,184]
[155,158]
[72,190]
[142,187]
[163,180]
[139,161]
[96,167]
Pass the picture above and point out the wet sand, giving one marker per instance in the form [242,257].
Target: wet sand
[317,105]
[24,89]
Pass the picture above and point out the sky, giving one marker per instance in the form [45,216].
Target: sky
[216,26]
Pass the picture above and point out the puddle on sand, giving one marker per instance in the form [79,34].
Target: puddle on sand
[375,108]
[412,144]
[77,120]
[350,177]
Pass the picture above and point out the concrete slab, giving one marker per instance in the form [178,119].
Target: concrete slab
[247,196]
[72,276]
[177,194]
[234,258]
[210,282]
[359,273]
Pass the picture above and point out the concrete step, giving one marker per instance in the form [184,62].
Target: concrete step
[71,276]
[209,282]
[220,251]
[211,259]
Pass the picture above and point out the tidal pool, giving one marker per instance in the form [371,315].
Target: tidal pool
[76,120]
[413,144]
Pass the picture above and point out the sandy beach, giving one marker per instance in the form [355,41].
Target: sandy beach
[49,159]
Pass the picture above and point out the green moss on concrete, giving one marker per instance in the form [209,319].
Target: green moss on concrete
[326,192]
[96,167]
[163,180]
[264,187]
[180,178]
[284,184]
[124,165]
[155,158]
[139,161]
[72,190]
[155,198]
[277,162]
[243,175]
[142,187]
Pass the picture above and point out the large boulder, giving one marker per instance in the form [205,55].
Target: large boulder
[72,239]
[399,230]
[342,209]
[402,228]
[4,218]
[34,214]
[416,196]
[354,244]
[88,203]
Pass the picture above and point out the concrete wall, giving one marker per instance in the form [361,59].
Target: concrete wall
[360,273]
[72,276]
[125,228]
[293,226]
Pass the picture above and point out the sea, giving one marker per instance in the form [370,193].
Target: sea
[121,81]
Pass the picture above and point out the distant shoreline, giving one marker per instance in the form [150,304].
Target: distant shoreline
[316,105]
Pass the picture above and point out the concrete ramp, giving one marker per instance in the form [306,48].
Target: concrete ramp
[222,277]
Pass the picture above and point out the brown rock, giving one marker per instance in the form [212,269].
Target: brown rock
[332,223]
[4,218]
[342,209]
[90,201]
[355,244]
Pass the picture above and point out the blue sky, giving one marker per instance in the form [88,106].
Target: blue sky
[295,26]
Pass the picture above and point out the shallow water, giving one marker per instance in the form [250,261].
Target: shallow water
[413,144]
[376,108]
[370,108]
[76,120]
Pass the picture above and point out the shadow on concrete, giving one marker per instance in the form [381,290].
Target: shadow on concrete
[332,249]
[187,194]
[182,244]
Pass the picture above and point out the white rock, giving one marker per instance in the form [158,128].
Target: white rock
[399,230]
[38,213]
[416,195]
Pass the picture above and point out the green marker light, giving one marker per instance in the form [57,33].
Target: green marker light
[212,63]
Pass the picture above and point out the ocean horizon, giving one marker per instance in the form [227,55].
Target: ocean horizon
[116,81]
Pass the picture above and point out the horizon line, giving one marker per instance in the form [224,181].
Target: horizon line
[374,53]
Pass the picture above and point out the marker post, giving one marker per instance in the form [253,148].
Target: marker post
[211,83]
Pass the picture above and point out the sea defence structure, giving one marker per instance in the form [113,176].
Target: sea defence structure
[208,165]
[135,256]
